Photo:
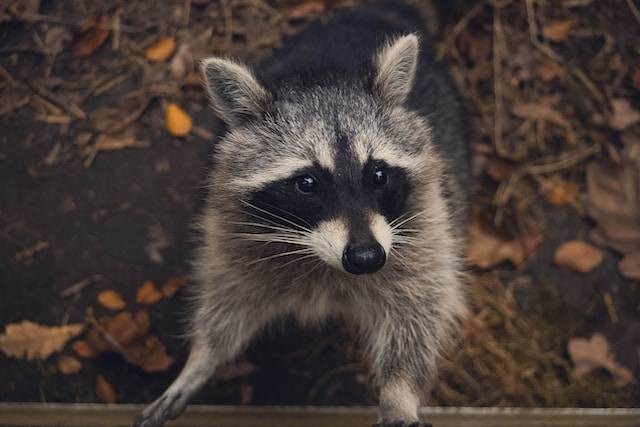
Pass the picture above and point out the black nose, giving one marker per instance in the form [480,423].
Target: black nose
[363,259]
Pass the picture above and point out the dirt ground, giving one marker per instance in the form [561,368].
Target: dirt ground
[97,194]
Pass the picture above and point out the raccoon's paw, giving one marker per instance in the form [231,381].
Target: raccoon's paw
[168,407]
[402,424]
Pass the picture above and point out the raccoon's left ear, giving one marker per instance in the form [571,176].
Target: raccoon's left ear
[395,68]
[236,95]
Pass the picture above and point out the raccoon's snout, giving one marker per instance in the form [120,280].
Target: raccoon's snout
[364,259]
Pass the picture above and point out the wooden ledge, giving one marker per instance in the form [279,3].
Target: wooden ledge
[96,415]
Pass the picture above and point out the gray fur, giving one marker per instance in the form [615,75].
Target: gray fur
[407,313]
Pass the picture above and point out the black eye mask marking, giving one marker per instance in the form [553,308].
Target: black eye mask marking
[315,194]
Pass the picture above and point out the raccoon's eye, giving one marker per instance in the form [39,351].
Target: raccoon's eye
[380,177]
[306,184]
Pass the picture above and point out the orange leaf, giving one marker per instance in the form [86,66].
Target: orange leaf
[69,365]
[557,31]
[111,300]
[560,192]
[173,285]
[91,40]
[151,355]
[83,349]
[161,50]
[105,391]
[148,293]
[36,341]
[178,122]
[578,255]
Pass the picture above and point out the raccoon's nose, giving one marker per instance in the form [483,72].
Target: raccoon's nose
[363,259]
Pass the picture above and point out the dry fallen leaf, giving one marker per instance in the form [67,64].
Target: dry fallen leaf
[613,192]
[118,142]
[105,391]
[151,355]
[498,169]
[306,9]
[36,341]
[560,192]
[547,71]
[161,50]
[112,300]
[540,111]
[593,353]
[83,349]
[623,115]
[148,293]
[182,62]
[68,365]
[173,285]
[578,255]
[487,247]
[557,31]
[178,122]
[126,334]
[89,41]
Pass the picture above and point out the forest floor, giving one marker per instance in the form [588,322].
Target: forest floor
[98,190]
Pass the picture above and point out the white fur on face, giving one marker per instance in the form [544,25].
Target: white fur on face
[329,240]
[381,231]
[283,169]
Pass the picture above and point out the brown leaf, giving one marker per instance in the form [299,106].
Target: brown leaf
[173,285]
[547,71]
[118,142]
[88,42]
[540,111]
[104,391]
[306,9]
[613,192]
[557,31]
[111,299]
[68,365]
[182,62]
[178,122]
[161,50]
[148,293]
[488,248]
[151,355]
[498,170]
[623,115]
[630,265]
[34,341]
[593,353]
[83,349]
[578,255]
[560,192]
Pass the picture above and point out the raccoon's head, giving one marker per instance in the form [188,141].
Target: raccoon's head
[338,170]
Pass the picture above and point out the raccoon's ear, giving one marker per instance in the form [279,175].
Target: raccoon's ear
[395,68]
[236,95]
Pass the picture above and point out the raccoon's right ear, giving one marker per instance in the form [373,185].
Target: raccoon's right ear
[395,68]
[236,95]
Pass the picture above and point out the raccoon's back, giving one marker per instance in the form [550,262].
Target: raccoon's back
[341,49]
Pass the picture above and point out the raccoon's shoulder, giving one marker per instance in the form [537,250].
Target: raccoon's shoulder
[341,47]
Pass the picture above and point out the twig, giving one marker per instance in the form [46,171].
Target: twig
[77,287]
[533,32]
[457,29]
[498,92]
[634,10]
[67,106]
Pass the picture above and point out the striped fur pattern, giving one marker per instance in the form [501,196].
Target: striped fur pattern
[271,250]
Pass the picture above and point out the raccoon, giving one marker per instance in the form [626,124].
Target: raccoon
[338,191]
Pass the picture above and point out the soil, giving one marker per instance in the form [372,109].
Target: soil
[102,220]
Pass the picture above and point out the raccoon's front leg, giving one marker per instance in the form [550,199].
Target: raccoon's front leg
[403,356]
[195,374]
[223,331]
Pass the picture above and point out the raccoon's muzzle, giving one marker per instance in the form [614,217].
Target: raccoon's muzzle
[364,259]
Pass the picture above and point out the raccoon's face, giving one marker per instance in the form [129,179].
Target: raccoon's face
[328,172]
